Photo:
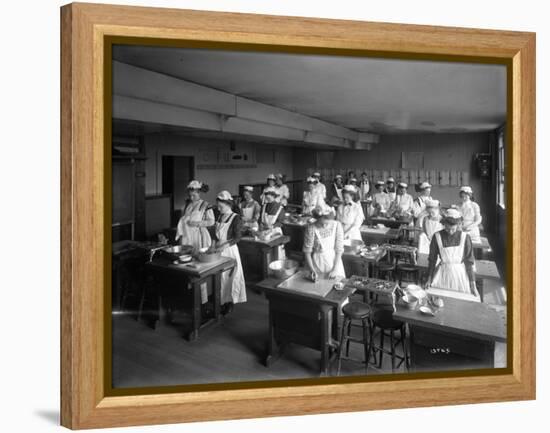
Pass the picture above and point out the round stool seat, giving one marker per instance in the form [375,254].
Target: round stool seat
[356,310]
[406,267]
[383,319]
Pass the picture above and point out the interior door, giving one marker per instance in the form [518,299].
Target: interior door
[177,172]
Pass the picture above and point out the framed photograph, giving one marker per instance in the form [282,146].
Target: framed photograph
[266,216]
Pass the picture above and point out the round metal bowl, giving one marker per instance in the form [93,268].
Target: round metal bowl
[281,269]
[353,245]
[208,257]
[179,249]
[410,301]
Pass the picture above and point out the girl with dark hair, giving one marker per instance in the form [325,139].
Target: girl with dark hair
[471,213]
[197,216]
[227,235]
[324,245]
[451,259]
[350,214]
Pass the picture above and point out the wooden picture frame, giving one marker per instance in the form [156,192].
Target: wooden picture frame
[87,30]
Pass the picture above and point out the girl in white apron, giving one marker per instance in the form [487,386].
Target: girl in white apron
[350,214]
[380,200]
[471,214]
[192,226]
[249,209]
[390,188]
[450,273]
[419,204]
[271,179]
[430,225]
[324,245]
[312,197]
[233,287]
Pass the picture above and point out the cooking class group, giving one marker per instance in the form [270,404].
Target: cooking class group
[279,229]
[362,252]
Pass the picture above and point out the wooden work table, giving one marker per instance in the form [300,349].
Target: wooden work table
[256,255]
[375,235]
[356,264]
[173,280]
[390,222]
[303,318]
[461,335]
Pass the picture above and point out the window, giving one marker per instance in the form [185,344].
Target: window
[501,168]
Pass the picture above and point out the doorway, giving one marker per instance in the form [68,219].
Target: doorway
[177,172]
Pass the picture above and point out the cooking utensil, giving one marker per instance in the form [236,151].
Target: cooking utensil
[410,301]
[353,245]
[281,269]
[426,310]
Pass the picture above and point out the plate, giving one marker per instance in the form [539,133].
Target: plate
[186,258]
[426,310]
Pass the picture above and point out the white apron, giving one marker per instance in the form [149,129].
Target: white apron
[450,273]
[324,254]
[347,215]
[248,214]
[269,220]
[198,237]
[468,216]
[425,238]
[364,189]
[233,287]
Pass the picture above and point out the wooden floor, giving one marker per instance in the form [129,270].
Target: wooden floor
[232,351]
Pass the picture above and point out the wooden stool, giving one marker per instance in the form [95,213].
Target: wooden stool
[408,272]
[384,270]
[355,311]
[383,320]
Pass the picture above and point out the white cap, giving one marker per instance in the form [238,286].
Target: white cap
[279,175]
[272,191]
[380,183]
[224,196]
[316,174]
[271,177]
[311,179]
[353,180]
[194,184]
[432,203]
[390,179]
[425,185]
[466,189]
[453,213]
[248,188]
[338,176]
[322,210]
[349,188]
[402,185]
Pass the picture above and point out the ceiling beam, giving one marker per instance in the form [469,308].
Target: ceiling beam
[140,94]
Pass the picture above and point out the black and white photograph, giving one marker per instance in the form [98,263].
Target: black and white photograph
[283,216]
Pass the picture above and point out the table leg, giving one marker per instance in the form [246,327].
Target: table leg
[479,285]
[216,295]
[326,329]
[196,287]
[272,346]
